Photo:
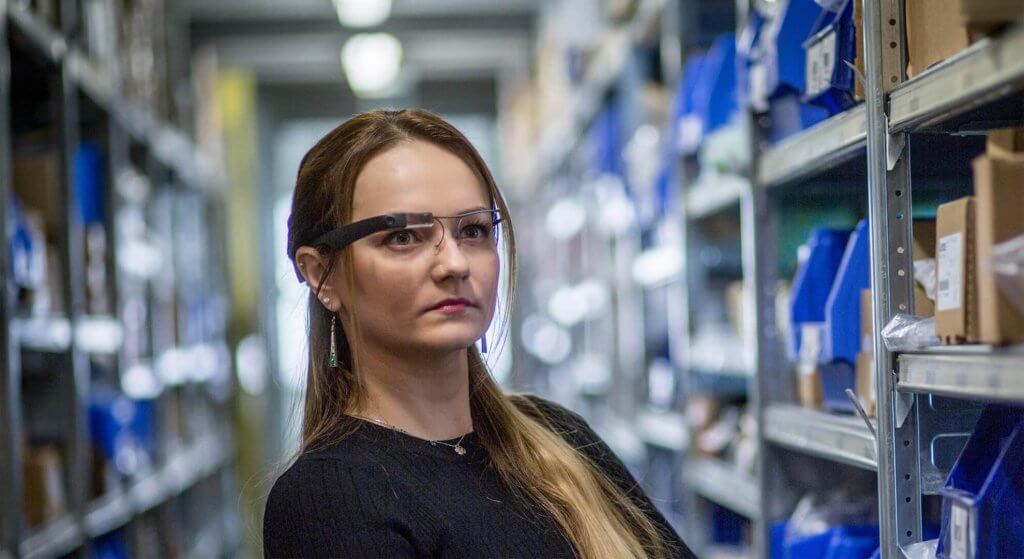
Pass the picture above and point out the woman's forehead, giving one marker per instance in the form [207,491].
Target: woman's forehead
[416,176]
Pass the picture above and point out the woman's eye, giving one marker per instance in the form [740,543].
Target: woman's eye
[475,231]
[401,238]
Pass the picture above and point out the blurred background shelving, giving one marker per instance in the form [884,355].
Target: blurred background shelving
[720,206]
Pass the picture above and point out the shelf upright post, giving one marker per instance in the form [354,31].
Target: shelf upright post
[76,376]
[891,277]
[11,493]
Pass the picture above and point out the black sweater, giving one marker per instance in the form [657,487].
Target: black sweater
[382,493]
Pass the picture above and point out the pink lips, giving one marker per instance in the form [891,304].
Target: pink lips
[452,306]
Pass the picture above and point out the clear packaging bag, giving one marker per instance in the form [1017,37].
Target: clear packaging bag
[907,333]
[1008,267]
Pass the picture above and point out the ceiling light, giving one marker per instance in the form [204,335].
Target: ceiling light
[371,62]
[362,13]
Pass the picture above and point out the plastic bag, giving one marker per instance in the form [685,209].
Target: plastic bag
[1008,267]
[924,274]
[907,333]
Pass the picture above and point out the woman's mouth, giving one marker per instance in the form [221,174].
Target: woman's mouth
[452,306]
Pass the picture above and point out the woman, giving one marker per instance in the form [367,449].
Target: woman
[409,447]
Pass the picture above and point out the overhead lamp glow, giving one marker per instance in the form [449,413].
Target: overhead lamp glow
[371,62]
[362,13]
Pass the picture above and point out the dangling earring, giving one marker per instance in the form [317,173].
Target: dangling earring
[483,343]
[332,357]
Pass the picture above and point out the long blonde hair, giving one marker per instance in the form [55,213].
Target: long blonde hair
[532,461]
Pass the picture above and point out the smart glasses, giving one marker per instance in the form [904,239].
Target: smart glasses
[411,232]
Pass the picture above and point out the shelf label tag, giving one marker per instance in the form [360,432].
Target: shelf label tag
[959,539]
[950,272]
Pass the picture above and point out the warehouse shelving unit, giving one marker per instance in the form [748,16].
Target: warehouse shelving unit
[924,397]
[58,348]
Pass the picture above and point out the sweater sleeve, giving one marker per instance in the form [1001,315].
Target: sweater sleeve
[326,508]
[578,432]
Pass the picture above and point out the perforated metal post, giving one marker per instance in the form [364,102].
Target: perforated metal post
[891,277]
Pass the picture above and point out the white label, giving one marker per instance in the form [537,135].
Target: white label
[958,532]
[819,63]
[949,294]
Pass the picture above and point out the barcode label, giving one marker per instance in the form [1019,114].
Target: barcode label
[950,272]
[958,532]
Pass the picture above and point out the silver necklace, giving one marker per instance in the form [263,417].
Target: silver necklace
[459,449]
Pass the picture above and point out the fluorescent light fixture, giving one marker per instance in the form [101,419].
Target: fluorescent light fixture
[371,62]
[362,13]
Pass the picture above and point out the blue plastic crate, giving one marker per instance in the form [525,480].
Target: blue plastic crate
[788,115]
[813,281]
[836,377]
[715,94]
[688,129]
[829,53]
[983,500]
[785,38]
[89,182]
[842,339]
[838,542]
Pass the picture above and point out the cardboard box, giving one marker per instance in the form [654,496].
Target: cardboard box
[44,489]
[866,382]
[956,318]
[866,328]
[933,34]
[1005,142]
[858,62]
[999,195]
[808,387]
[36,180]
[924,249]
[991,11]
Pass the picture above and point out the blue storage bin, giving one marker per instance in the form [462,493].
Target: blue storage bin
[842,309]
[785,38]
[89,182]
[715,94]
[983,500]
[688,129]
[838,542]
[829,53]
[836,377]
[813,281]
[121,428]
[788,115]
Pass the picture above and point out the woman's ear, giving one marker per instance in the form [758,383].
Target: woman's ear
[313,267]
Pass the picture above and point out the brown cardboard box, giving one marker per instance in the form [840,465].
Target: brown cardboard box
[991,11]
[858,62]
[44,490]
[999,195]
[933,34]
[866,382]
[36,179]
[924,248]
[866,329]
[808,385]
[1005,142]
[956,293]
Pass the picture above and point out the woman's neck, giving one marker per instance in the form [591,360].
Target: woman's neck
[427,396]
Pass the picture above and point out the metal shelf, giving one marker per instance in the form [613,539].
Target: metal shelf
[974,372]
[55,538]
[184,470]
[42,333]
[988,70]
[816,149]
[843,439]
[601,75]
[46,40]
[713,193]
[663,429]
[722,483]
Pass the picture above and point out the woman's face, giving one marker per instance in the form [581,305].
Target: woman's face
[401,276]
